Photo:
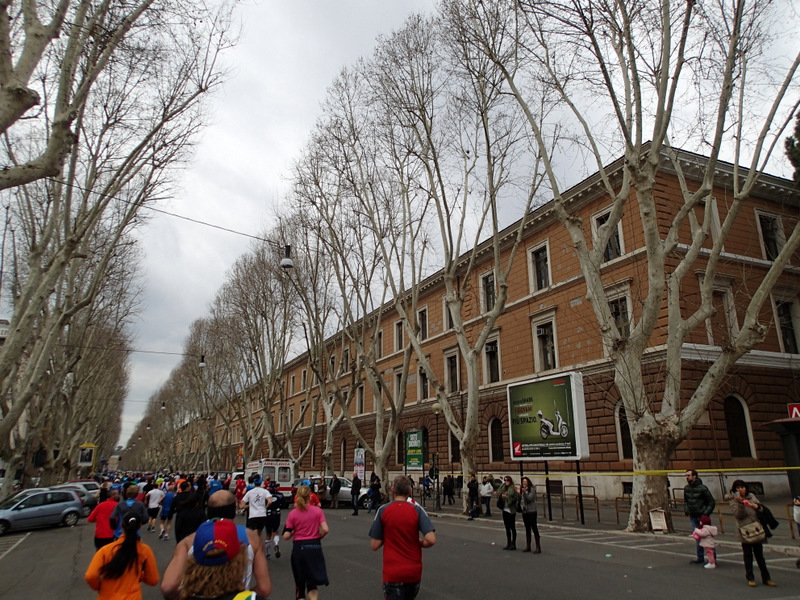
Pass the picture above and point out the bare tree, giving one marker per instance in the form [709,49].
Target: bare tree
[670,74]
[134,128]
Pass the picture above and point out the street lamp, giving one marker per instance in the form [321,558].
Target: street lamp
[437,503]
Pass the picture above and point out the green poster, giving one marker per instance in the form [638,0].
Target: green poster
[414,450]
[547,419]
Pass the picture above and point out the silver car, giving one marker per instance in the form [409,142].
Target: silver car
[344,493]
[40,509]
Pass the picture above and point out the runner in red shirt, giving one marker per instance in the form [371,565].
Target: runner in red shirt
[397,528]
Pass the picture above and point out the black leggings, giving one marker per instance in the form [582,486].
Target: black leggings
[509,521]
[757,550]
[529,519]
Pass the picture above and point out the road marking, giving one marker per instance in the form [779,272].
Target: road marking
[7,546]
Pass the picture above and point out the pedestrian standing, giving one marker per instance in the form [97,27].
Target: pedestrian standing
[307,526]
[448,489]
[486,492]
[527,505]
[336,486]
[374,493]
[402,529]
[509,496]
[706,536]
[472,497]
[796,519]
[355,492]
[697,501]
[118,569]
[745,507]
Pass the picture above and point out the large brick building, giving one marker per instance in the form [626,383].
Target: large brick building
[548,327]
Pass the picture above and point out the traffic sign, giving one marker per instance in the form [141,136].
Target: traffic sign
[794,411]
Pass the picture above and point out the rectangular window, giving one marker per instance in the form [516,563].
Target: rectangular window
[620,314]
[491,365]
[772,237]
[360,400]
[291,416]
[422,322]
[787,326]
[304,378]
[398,384]
[614,247]
[332,366]
[545,346]
[451,372]
[424,387]
[447,315]
[488,292]
[291,385]
[379,344]
[398,336]
[346,360]
[540,267]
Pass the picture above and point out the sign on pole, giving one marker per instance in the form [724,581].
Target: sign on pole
[547,419]
[86,455]
[359,464]
[414,450]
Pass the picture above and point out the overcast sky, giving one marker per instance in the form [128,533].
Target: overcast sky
[289,54]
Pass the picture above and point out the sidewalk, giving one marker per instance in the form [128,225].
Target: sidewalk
[604,518]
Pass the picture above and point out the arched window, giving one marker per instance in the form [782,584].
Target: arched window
[624,439]
[400,448]
[455,449]
[496,453]
[737,421]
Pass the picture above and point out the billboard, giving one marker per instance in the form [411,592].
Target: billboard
[547,418]
[414,450]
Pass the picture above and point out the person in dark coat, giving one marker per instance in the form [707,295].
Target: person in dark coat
[355,492]
[697,501]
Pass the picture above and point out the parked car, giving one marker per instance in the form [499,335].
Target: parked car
[90,485]
[40,509]
[88,499]
[345,497]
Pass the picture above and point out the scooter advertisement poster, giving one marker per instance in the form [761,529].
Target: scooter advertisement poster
[547,419]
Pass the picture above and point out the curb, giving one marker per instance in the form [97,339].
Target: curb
[792,551]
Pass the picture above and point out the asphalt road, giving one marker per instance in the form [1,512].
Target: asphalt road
[467,563]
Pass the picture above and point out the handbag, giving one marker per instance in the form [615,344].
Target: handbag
[501,503]
[753,533]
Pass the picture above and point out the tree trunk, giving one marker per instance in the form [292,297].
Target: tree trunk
[650,463]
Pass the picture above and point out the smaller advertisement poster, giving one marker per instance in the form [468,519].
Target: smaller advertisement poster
[547,419]
[414,450]
[86,455]
[359,463]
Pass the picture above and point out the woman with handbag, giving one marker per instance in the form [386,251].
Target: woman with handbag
[749,532]
[507,503]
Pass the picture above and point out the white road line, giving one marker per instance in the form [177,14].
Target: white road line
[14,545]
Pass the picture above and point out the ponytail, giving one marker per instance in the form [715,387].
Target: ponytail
[127,553]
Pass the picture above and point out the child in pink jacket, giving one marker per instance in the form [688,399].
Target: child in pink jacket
[705,534]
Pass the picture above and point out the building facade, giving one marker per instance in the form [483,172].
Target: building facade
[548,327]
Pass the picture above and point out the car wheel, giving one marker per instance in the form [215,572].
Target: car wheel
[86,511]
[70,519]
[3,527]
[365,501]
